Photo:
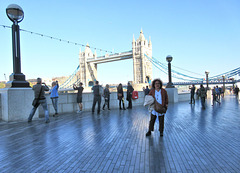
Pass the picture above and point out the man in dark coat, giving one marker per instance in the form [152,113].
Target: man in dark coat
[97,91]
[192,94]
[129,95]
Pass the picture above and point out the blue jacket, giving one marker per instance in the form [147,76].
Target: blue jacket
[54,91]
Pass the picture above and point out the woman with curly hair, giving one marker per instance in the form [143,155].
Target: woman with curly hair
[161,97]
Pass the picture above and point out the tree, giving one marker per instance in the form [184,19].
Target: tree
[2,85]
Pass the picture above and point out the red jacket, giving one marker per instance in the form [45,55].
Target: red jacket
[164,96]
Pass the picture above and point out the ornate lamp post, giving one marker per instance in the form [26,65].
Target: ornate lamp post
[169,84]
[207,72]
[16,79]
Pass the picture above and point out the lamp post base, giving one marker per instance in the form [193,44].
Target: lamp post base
[170,85]
[17,81]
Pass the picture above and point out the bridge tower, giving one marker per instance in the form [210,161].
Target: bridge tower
[87,71]
[142,67]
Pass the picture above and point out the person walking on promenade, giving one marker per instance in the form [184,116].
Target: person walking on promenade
[198,93]
[214,95]
[222,91]
[106,95]
[54,97]
[39,98]
[146,91]
[203,95]
[79,95]
[161,97]
[130,89]
[192,94]
[120,96]
[236,90]
[218,92]
[97,92]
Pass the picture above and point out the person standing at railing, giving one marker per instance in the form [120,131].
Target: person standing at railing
[39,98]
[203,95]
[130,90]
[97,92]
[54,96]
[106,95]
[192,94]
[79,95]
[120,96]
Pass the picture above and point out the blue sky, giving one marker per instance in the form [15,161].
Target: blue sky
[200,35]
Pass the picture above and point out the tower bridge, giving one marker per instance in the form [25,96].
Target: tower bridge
[143,61]
[142,67]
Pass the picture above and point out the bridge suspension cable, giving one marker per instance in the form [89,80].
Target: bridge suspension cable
[175,73]
[228,74]
[70,78]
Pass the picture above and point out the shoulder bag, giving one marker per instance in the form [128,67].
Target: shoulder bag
[35,102]
[159,107]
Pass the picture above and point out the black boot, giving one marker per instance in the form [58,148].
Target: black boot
[148,133]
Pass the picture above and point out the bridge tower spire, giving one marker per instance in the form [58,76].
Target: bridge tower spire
[142,67]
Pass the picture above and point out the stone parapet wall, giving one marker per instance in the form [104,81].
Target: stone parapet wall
[67,102]
[15,103]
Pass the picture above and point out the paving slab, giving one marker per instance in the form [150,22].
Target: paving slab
[195,140]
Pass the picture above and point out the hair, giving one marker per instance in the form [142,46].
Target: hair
[96,82]
[80,83]
[39,80]
[107,86]
[154,81]
[201,85]
[54,83]
[119,86]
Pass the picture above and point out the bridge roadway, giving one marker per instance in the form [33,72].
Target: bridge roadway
[111,57]
[194,140]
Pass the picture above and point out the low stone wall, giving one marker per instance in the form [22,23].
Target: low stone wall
[182,97]
[67,102]
[0,107]
[15,103]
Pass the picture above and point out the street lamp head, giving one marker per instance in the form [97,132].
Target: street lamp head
[169,58]
[207,72]
[15,13]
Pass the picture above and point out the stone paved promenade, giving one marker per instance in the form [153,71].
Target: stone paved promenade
[194,140]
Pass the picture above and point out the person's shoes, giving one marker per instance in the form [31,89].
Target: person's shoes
[79,112]
[190,103]
[124,109]
[148,133]
[120,108]
[29,121]
[48,121]
[102,108]
[109,109]
[98,112]
[56,114]
[161,133]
